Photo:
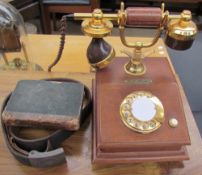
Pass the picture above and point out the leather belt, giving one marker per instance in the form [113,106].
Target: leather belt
[42,152]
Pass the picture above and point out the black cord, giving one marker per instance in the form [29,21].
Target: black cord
[63,27]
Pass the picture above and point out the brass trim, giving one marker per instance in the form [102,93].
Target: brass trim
[104,63]
[84,16]
[97,26]
[182,28]
[96,31]
[130,121]
[138,70]
[182,33]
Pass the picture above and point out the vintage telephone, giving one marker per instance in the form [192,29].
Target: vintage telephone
[180,34]
[138,109]
[13,39]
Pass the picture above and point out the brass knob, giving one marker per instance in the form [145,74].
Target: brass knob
[186,15]
[97,26]
[173,122]
[181,32]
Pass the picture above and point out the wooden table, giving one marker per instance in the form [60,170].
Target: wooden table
[43,49]
[78,147]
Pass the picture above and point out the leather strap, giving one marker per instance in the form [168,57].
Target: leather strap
[42,152]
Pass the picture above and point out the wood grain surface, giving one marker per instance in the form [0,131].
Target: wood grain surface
[42,49]
[78,147]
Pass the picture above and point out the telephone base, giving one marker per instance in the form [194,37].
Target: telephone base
[113,142]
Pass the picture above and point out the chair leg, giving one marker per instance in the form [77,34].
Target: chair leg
[42,20]
[54,21]
[47,21]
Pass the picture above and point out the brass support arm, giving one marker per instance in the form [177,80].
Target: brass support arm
[84,16]
[139,44]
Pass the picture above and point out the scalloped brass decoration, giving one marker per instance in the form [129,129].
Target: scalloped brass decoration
[142,124]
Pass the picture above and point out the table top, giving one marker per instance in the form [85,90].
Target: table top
[43,49]
[78,147]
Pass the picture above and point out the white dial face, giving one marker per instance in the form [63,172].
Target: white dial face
[143,108]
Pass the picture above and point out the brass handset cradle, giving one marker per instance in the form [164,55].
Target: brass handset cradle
[135,66]
[180,33]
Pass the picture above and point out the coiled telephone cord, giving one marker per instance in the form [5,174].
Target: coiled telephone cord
[63,28]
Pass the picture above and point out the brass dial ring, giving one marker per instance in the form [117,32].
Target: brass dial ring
[142,112]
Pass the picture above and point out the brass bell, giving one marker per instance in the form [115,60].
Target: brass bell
[181,32]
